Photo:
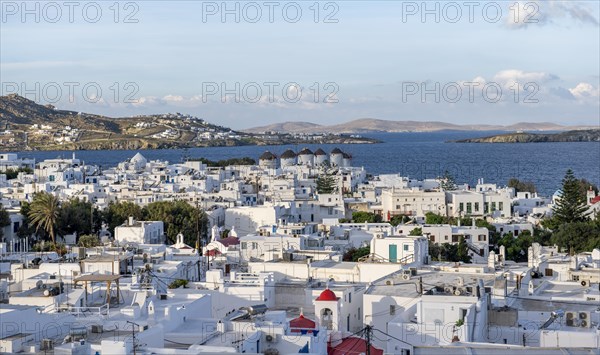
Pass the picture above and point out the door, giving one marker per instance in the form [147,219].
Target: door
[393,253]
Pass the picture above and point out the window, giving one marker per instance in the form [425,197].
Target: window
[16,227]
[432,238]
[348,323]
[455,239]
[461,207]
[349,297]
[406,247]
[575,277]
[486,207]
[244,245]
[476,206]
[482,238]
[493,206]
[500,205]
[469,208]
[392,309]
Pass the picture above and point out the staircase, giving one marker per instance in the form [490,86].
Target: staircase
[475,249]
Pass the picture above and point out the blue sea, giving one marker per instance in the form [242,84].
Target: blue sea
[417,155]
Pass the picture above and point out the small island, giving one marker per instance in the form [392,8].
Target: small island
[589,135]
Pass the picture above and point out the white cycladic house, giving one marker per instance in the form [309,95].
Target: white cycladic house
[412,202]
[140,232]
[400,249]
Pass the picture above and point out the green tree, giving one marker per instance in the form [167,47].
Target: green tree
[326,184]
[577,236]
[585,185]
[224,233]
[521,186]
[77,216]
[353,254]
[59,248]
[516,247]
[447,182]
[443,252]
[362,217]
[434,218]
[14,173]
[88,241]
[571,206]
[26,229]
[462,251]
[398,219]
[44,213]
[4,220]
[178,217]
[542,236]
[416,232]
[178,283]
[117,213]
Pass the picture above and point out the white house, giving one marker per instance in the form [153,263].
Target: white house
[400,249]
[412,202]
[140,232]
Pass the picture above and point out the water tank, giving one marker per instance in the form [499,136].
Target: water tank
[257,309]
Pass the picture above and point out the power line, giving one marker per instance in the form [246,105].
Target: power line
[393,337]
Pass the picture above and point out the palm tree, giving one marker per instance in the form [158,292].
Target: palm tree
[43,213]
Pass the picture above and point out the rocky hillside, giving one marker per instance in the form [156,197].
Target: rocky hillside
[26,125]
[17,110]
[590,135]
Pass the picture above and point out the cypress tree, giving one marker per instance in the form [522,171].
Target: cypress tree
[571,207]
[326,184]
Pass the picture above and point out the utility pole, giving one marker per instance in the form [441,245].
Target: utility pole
[133,325]
[92,217]
[198,236]
[368,330]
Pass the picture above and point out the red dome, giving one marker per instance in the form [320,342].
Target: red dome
[327,295]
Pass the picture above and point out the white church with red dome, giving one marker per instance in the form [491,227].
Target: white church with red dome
[327,310]
[339,310]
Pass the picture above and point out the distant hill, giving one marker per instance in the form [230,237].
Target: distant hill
[26,125]
[590,135]
[366,125]
[287,127]
[18,110]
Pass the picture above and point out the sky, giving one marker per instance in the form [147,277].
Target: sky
[246,64]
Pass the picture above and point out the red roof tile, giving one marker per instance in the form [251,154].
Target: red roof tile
[351,346]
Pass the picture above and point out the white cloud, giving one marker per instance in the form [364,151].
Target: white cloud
[521,77]
[173,98]
[523,14]
[585,91]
